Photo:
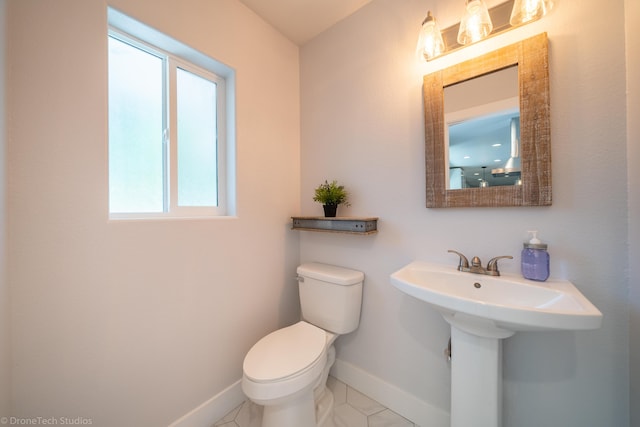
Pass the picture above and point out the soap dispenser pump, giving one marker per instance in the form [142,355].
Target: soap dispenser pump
[535,259]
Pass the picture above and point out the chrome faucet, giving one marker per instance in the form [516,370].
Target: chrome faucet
[476,265]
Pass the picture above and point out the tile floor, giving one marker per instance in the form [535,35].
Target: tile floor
[351,409]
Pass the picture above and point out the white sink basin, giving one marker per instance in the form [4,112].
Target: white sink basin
[509,302]
[482,311]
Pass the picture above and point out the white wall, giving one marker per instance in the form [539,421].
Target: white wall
[632,25]
[136,323]
[4,287]
[362,124]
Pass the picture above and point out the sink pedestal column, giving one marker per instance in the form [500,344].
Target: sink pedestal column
[476,374]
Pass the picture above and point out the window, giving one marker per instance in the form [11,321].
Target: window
[169,149]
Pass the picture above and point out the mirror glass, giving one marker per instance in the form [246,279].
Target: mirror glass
[482,131]
[490,116]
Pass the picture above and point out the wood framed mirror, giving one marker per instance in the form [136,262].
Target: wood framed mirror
[533,185]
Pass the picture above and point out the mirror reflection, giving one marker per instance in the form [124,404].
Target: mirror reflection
[482,131]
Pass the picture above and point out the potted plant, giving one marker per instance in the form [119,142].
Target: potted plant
[330,194]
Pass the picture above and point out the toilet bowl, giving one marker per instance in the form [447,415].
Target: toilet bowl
[287,370]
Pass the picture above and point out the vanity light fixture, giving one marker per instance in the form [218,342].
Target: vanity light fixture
[478,23]
[528,10]
[430,42]
[475,24]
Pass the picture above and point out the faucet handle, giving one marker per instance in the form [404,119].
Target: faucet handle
[464,262]
[492,265]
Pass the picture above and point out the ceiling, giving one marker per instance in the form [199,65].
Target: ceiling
[302,20]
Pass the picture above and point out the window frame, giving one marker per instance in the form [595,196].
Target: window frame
[177,55]
[173,64]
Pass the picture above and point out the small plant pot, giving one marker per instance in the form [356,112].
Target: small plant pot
[330,210]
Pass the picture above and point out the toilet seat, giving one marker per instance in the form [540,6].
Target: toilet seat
[286,353]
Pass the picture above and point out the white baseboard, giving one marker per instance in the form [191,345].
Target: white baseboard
[390,396]
[213,409]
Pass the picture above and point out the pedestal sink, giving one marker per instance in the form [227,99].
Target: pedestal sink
[482,310]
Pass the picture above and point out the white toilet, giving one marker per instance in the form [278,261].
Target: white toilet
[287,370]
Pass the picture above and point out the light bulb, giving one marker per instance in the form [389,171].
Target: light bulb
[430,43]
[475,24]
[529,10]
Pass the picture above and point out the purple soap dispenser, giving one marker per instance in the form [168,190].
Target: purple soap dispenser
[535,259]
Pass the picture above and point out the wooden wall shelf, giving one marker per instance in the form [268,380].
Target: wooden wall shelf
[344,224]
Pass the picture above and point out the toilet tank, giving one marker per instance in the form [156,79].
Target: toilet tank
[330,296]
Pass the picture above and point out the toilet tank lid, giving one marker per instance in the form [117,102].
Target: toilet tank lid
[330,273]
